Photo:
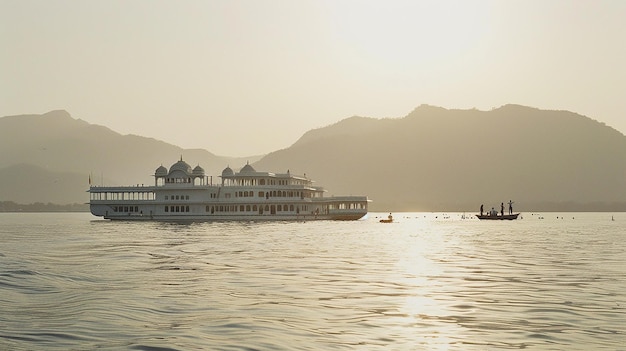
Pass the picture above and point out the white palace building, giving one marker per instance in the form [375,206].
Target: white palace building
[186,194]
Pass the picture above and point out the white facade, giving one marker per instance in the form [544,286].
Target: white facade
[182,193]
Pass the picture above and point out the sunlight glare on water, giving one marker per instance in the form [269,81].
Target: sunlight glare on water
[425,282]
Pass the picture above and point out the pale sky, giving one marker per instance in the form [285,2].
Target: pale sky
[241,78]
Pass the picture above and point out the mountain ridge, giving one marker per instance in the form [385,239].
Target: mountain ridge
[457,159]
[431,159]
[55,142]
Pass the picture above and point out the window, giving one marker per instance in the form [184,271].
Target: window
[165,197]
[166,209]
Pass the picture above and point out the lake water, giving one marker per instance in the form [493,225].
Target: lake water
[550,281]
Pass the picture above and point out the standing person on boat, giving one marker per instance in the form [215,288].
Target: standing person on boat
[502,208]
[510,207]
[390,217]
[481,209]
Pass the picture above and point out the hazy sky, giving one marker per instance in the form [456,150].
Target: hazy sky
[248,77]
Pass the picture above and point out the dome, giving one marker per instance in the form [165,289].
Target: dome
[198,170]
[181,166]
[247,169]
[227,172]
[161,171]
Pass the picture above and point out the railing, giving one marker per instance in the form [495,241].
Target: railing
[206,186]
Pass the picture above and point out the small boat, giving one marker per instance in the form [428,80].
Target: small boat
[498,217]
[388,220]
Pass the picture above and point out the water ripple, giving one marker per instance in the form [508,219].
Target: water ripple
[427,282]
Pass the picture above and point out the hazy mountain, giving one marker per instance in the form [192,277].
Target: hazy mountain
[26,184]
[432,159]
[49,157]
[439,159]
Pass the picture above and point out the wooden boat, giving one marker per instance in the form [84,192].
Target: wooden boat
[388,220]
[498,217]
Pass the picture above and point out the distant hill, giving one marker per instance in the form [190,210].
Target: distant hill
[49,158]
[26,184]
[434,159]
[439,159]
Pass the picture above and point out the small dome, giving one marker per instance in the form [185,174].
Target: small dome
[198,170]
[161,171]
[247,169]
[227,172]
[181,166]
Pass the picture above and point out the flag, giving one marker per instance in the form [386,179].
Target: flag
[89,178]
